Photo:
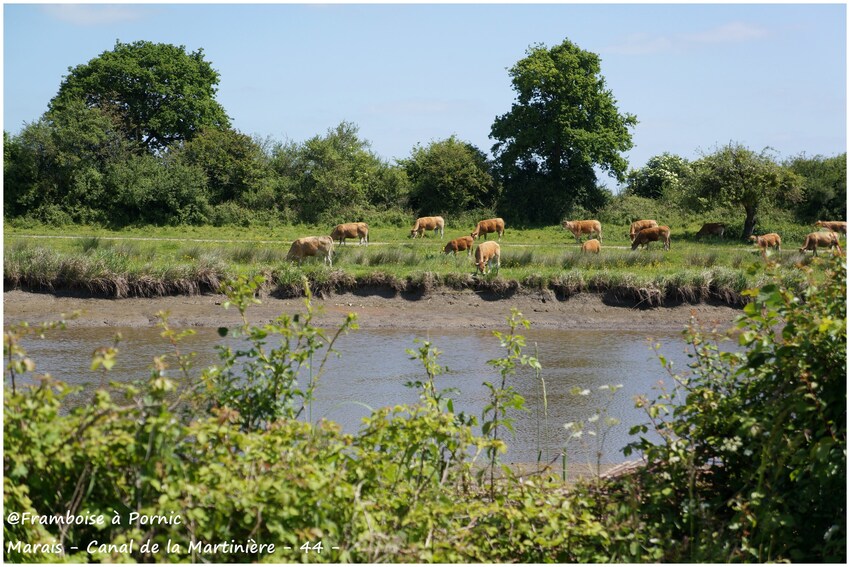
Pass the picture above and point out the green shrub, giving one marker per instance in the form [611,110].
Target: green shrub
[751,465]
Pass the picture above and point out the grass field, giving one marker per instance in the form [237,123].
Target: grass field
[154,261]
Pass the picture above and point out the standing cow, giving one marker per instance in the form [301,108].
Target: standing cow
[639,225]
[770,240]
[351,230]
[485,227]
[427,223]
[312,246]
[487,254]
[652,234]
[580,227]
[459,245]
[822,239]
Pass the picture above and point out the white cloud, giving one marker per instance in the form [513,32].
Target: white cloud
[643,44]
[733,32]
[94,14]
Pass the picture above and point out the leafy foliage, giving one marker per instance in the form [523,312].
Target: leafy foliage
[563,123]
[750,463]
[824,187]
[737,176]
[664,175]
[157,93]
[752,460]
[449,176]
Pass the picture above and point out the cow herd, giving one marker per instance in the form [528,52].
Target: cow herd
[487,254]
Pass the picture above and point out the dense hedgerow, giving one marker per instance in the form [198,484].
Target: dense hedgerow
[747,461]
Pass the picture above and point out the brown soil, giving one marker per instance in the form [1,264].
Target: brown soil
[375,309]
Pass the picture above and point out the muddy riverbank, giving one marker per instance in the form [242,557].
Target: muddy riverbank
[375,309]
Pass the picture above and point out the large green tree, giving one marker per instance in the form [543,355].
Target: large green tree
[563,124]
[825,187]
[449,175]
[735,176]
[158,93]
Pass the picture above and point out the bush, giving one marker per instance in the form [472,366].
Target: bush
[752,460]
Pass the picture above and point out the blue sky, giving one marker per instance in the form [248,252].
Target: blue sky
[696,76]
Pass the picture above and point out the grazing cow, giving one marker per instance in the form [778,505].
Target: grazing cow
[823,239]
[487,226]
[580,227]
[428,223]
[312,246]
[712,229]
[459,245]
[765,241]
[486,254]
[639,225]
[591,246]
[652,234]
[835,226]
[351,230]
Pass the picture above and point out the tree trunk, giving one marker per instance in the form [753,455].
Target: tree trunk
[749,223]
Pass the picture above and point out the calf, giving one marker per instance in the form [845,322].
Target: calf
[312,246]
[583,227]
[351,230]
[428,223]
[459,245]
[765,241]
[486,254]
[591,246]
[639,225]
[652,234]
[835,226]
[712,229]
[822,239]
[485,227]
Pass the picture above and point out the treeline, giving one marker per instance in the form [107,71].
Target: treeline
[135,137]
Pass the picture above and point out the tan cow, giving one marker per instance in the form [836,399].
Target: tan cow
[486,254]
[428,223]
[580,227]
[835,226]
[312,246]
[712,229]
[459,245]
[639,225]
[591,246]
[822,239]
[652,234]
[770,240]
[351,230]
[485,227]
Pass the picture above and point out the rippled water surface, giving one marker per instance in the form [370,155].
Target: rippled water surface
[373,367]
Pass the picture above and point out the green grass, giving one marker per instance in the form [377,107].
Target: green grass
[165,260]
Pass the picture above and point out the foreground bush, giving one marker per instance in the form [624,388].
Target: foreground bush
[750,466]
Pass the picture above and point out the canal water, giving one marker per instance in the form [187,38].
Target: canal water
[373,367]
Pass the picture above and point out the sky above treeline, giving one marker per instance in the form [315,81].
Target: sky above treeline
[696,76]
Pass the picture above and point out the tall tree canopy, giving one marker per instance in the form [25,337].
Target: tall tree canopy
[737,176]
[158,93]
[563,123]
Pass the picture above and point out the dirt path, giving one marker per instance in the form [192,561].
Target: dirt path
[442,309]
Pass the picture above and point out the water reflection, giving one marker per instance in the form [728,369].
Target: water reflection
[373,368]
